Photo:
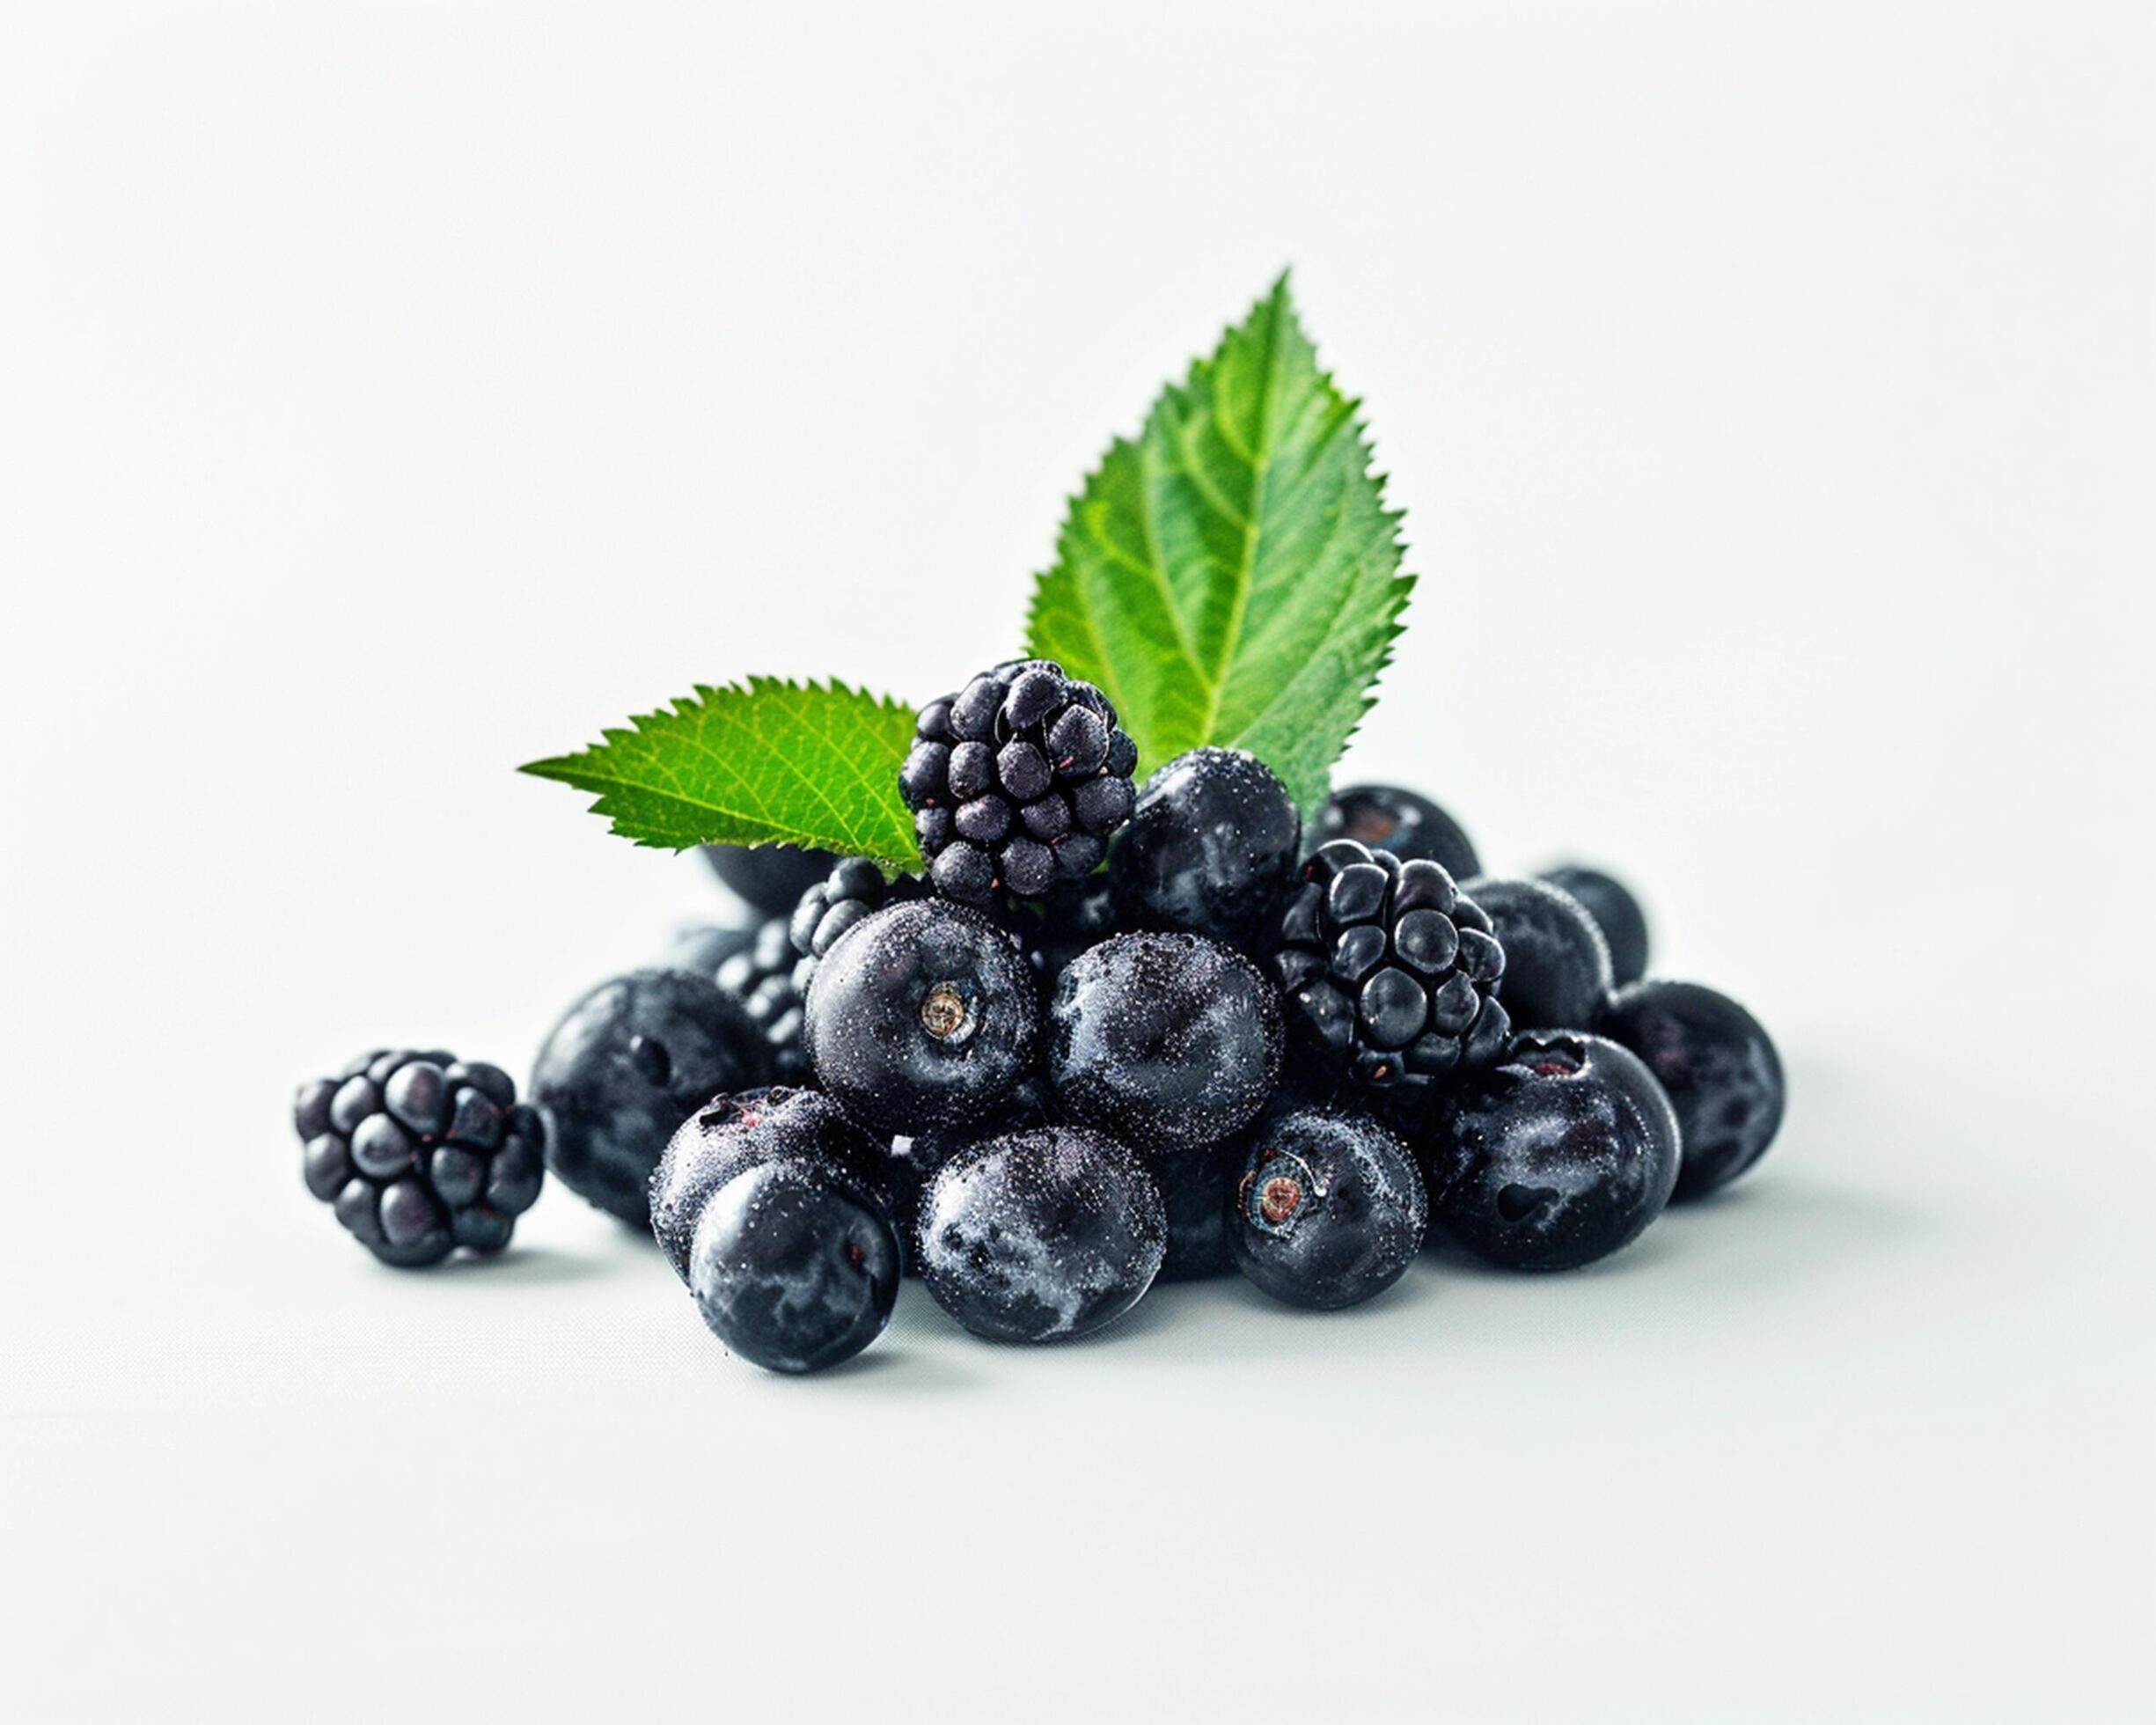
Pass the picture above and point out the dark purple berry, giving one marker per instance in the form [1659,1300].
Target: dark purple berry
[1386,817]
[1328,1209]
[1210,848]
[1719,1066]
[1560,1153]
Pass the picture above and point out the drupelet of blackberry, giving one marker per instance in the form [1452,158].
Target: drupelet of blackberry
[422,1153]
[761,978]
[1389,974]
[1017,781]
[855,889]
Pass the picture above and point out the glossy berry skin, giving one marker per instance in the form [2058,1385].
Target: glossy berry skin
[1210,848]
[1389,974]
[1719,1066]
[923,1018]
[1041,1234]
[1616,912]
[1557,1156]
[1387,817]
[1195,1188]
[910,1163]
[625,1066]
[1016,782]
[1164,1041]
[421,1153]
[770,1206]
[794,1267]
[770,877]
[760,976]
[1329,1208]
[1556,964]
[741,1130]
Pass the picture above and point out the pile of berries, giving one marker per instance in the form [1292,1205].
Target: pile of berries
[1041,1084]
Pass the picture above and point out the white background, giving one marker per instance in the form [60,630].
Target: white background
[394,394]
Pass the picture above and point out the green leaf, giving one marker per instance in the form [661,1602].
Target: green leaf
[1232,575]
[766,762]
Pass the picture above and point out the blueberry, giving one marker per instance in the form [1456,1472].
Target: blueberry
[772,877]
[625,1066]
[1386,817]
[1327,1208]
[794,1267]
[1556,964]
[1720,1068]
[1555,1157]
[922,1018]
[910,1163]
[1041,1234]
[1164,1040]
[1209,849]
[740,1130]
[1616,912]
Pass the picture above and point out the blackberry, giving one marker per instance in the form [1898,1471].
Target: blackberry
[1720,1068]
[1562,1152]
[1165,1040]
[1389,971]
[1386,817]
[1616,912]
[422,1153]
[1211,848]
[625,1066]
[770,877]
[1042,1235]
[1556,964]
[923,1017]
[855,889]
[765,1205]
[1329,1210]
[1016,780]
[761,977]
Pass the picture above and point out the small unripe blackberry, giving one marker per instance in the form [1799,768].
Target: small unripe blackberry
[1389,974]
[422,1153]
[1016,782]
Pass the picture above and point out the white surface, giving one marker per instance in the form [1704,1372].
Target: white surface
[394,394]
